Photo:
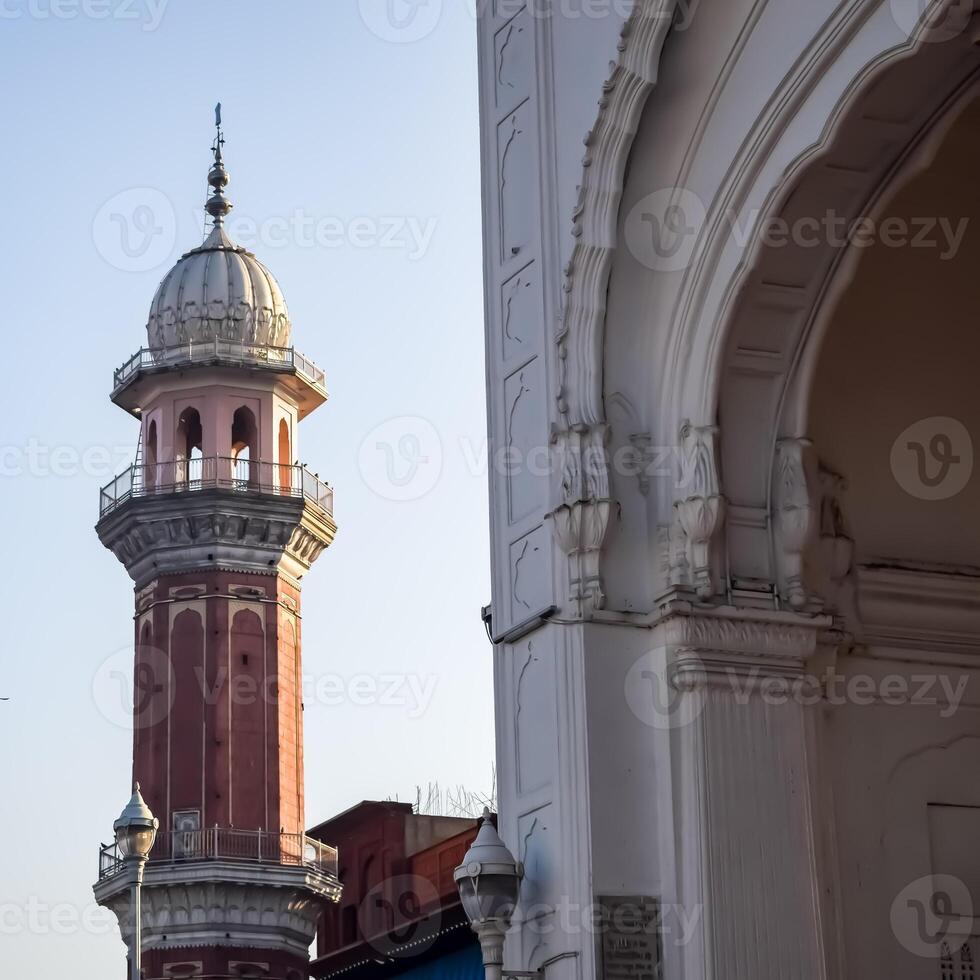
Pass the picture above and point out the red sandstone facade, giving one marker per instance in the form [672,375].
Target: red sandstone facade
[219,712]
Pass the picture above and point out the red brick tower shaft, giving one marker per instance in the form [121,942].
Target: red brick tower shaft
[218,725]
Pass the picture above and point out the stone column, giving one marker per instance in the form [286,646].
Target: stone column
[743,805]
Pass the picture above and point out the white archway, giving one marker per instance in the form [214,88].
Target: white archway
[698,359]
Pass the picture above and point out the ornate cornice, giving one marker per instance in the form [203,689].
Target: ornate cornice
[933,610]
[165,534]
[742,634]
[221,903]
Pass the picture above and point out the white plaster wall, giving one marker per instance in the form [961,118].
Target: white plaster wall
[592,798]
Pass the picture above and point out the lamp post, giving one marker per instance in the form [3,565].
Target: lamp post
[136,831]
[489,883]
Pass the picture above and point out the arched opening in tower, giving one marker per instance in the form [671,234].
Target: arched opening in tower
[244,448]
[150,471]
[188,449]
[285,459]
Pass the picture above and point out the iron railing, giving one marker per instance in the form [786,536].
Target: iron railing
[215,472]
[219,351]
[228,844]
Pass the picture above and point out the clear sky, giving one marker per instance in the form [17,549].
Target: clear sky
[352,146]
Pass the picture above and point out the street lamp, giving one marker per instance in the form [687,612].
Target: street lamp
[489,883]
[136,830]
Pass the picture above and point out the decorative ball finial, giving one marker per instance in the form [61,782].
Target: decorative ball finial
[218,205]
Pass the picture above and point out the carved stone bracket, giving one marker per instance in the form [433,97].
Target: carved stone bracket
[700,514]
[641,459]
[582,518]
[813,547]
[795,514]
[836,544]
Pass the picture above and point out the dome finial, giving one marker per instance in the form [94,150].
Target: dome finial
[218,205]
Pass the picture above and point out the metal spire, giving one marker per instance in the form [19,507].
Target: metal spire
[218,205]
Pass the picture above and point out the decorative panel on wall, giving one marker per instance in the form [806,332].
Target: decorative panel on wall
[520,317]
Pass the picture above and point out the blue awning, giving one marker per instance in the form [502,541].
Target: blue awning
[463,964]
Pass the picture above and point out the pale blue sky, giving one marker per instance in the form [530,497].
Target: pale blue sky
[354,161]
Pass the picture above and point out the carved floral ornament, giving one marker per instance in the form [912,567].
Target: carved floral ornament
[699,515]
[218,320]
[813,548]
[582,518]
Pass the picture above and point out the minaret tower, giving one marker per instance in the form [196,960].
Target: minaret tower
[217,524]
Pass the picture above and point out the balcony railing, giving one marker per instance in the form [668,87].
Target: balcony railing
[216,472]
[224,844]
[223,351]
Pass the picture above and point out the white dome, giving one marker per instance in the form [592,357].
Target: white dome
[218,291]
